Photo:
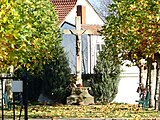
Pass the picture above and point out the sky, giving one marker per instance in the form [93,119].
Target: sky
[93,2]
[97,2]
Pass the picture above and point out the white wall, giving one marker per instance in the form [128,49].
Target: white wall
[127,91]
[128,85]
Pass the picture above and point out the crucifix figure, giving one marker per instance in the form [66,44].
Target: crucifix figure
[78,33]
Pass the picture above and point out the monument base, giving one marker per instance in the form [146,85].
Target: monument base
[80,96]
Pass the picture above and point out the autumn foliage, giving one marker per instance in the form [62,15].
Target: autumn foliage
[28,33]
[133,28]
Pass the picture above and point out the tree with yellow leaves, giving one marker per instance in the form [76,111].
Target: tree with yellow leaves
[28,33]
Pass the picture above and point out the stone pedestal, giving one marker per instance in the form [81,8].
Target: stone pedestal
[80,96]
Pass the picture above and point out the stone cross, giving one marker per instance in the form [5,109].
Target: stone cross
[78,33]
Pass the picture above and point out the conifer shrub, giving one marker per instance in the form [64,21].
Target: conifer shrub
[57,77]
[106,78]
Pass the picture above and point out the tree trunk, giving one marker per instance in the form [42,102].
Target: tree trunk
[157,91]
[153,83]
[148,81]
[156,88]
[158,79]
[142,74]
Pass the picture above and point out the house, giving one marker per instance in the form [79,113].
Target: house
[91,44]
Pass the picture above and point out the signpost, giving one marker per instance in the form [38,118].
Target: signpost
[17,86]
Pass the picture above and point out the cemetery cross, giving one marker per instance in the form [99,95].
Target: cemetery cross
[78,33]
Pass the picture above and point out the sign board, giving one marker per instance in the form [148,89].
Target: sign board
[17,86]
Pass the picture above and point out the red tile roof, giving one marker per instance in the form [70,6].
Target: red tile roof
[63,7]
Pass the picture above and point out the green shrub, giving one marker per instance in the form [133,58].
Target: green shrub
[106,78]
[56,77]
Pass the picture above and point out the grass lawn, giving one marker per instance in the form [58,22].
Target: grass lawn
[91,111]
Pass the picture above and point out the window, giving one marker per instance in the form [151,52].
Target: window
[99,47]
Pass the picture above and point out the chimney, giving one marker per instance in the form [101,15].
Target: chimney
[81,11]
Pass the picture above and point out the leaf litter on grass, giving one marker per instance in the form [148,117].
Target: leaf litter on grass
[112,110]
